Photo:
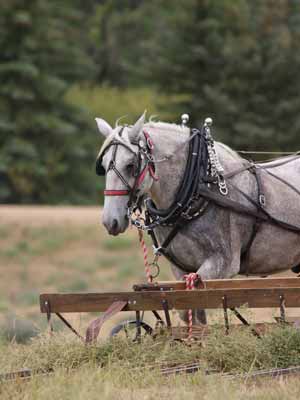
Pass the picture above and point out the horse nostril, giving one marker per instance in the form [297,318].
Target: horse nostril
[114,225]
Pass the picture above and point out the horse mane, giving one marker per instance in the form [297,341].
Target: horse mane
[166,126]
[159,126]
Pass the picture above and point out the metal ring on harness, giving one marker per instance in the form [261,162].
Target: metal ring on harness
[155,264]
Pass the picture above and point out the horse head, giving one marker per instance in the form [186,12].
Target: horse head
[125,160]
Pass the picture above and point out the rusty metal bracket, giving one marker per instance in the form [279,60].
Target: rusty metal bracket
[167,313]
[159,320]
[67,323]
[138,326]
[48,313]
[244,321]
[225,311]
[282,309]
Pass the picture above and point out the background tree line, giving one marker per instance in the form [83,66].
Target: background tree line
[63,63]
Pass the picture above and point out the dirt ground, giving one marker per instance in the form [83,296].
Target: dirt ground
[41,215]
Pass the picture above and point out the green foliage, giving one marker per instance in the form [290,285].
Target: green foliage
[43,139]
[239,62]
[123,31]
[62,64]
[111,103]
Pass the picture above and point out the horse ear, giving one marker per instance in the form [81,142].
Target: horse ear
[137,127]
[104,128]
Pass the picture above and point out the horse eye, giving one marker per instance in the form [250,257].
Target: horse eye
[130,168]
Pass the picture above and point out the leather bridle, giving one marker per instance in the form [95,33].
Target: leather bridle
[144,153]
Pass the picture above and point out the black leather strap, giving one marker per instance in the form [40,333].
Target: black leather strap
[244,267]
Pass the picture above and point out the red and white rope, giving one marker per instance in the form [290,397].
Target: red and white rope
[145,256]
[190,280]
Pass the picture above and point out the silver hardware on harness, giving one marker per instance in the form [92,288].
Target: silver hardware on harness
[142,144]
[208,122]
[222,185]
[184,120]
[157,250]
[216,168]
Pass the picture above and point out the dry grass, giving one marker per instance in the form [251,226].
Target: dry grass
[114,384]
[118,367]
[74,254]
[239,352]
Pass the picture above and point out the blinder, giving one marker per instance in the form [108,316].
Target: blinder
[100,170]
[99,167]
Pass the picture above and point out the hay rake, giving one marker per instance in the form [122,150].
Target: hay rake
[227,294]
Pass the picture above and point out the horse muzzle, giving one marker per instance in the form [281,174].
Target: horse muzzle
[115,226]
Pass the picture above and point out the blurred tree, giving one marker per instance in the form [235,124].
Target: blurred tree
[238,61]
[124,33]
[45,143]
[235,60]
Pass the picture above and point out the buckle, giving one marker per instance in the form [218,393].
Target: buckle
[157,250]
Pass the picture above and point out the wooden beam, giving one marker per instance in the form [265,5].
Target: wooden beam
[250,283]
[177,299]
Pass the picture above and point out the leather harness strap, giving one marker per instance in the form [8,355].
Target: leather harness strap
[244,266]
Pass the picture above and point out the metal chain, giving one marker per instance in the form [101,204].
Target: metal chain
[215,166]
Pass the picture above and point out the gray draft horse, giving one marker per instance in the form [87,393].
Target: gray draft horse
[213,244]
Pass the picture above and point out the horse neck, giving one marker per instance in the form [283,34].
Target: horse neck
[169,172]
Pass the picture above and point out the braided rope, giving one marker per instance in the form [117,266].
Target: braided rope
[145,256]
[190,280]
